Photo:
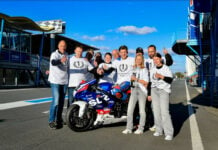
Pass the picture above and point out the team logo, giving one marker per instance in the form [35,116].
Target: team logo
[153,77]
[78,64]
[123,67]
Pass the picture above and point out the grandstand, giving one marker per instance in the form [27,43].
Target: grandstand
[24,56]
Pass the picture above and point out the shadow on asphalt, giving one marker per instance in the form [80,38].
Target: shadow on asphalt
[201,100]
[115,125]
[179,112]
[2,120]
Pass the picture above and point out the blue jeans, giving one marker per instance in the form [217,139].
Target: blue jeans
[56,107]
[70,95]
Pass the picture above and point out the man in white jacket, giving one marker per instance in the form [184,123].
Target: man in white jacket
[58,78]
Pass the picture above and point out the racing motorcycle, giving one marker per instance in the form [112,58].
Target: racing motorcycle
[97,104]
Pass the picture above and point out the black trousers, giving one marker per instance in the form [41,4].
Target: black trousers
[149,115]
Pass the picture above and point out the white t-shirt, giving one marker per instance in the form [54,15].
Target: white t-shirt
[159,83]
[78,68]
[149,63]
[124,69]
[141,74]
[108,77]
[58,74]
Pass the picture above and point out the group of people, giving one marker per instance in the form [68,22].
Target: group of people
[150,78]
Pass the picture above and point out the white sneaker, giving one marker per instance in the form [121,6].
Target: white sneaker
[168,137]
[138,131]
[157,134]
[153,128]
[127,131]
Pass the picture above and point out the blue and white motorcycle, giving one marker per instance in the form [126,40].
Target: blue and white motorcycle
[97,104]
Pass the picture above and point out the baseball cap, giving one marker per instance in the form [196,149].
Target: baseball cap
[140,50]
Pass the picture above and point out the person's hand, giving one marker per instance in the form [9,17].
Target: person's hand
[95,63]
[47,72]
[165,51]
[133,78]
[105,67]
[100,71]
[149,98]
[159,76]
[145,83]
[64,59]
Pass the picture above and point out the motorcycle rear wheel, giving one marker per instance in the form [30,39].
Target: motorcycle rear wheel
[76,123]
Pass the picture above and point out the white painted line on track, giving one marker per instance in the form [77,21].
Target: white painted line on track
[14,90]
[10,105]
[45,112]
[14,105]
[195,134]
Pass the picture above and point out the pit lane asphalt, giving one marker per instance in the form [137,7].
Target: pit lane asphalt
[27,127]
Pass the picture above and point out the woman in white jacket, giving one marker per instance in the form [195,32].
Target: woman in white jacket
[138,93]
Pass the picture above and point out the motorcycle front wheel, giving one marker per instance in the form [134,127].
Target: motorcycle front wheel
[79,124]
